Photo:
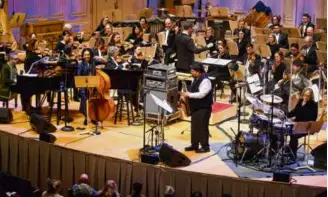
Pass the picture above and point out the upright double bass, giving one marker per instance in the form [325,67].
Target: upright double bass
[101,105]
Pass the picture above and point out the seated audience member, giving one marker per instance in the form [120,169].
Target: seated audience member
[84,179]
[82,190]
[197,194]
[54,186]
[109,190]
[241,27]
[281,38]
[274,47]
[169,191]
[306,22]
[137,188]
[310,56]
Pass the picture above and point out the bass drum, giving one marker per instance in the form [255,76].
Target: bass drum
[250,144]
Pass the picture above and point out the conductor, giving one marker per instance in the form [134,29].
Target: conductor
[200,101]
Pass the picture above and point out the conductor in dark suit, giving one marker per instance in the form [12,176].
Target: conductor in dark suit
[305,24]
[281,38]
[185,48]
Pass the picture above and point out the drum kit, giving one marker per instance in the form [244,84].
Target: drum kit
[272,132]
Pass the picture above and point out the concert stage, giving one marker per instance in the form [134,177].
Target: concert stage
[114,155]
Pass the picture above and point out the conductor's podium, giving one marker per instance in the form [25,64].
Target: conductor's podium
[221,111]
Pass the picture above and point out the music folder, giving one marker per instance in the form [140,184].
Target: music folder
[163,104]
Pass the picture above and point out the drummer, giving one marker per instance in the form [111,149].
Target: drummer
[305,110]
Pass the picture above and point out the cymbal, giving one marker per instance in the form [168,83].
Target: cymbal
[268,99]
[253,100]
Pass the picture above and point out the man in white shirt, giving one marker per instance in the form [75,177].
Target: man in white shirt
[200,101]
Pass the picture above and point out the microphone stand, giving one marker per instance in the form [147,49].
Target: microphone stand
[66,128]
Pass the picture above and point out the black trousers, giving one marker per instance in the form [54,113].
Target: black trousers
[293,143]
[199,127]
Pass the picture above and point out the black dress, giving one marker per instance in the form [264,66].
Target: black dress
[274,48]
[31,57]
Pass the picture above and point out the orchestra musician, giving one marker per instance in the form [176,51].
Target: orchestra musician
[107,31]
[31,36]
[104,21]
[31,54]
[116,41]
[294,52]
[168,40]
[281,38]
[241,43]
[200,100]
[241,27]
[284,89]
[305,110]
[100,51]
[64,46]
[315,37]
[299,80]
[144,25]
[275,20]
[85,68]
[306,22]
[273,45]
[252,61]
[185,48]
[309,54]
[113,61]
[209,38]
[278,69]
[136,37]
[8,74]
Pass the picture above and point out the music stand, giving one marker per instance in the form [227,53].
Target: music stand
[87,82]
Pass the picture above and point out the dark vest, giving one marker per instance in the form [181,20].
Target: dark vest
[206,102]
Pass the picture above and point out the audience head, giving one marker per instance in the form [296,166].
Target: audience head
[168,23]
[112,185]
[308,41]
[32,45]
[241,24]
[305,18]
[53,186]
[294,48]
[272,39]
[249,49]
[276,20]
[169,191]
[307,95]
[276,29]
[310,31]
[197,194]
[82,190]
[113,51]
[137,188]
[87,55]
[84,178]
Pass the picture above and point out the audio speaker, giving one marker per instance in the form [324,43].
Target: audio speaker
[172,157]
[171,96]
[281,177]
[5,115]
[41,125]
[320,156]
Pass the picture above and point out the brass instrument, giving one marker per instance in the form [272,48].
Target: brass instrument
[184,101]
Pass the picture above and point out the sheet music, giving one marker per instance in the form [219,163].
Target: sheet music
[216,61]
[254,83]
[30,75]
[209,60]
[162,104]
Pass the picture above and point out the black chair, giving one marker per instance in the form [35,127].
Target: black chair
[124,97]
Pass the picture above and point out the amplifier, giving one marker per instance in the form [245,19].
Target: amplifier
[171,96]
[160,83]
[161,70]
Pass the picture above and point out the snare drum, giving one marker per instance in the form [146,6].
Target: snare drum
[251,143]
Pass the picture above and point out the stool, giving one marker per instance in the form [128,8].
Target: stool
[124,96]
[5,101]
[58,103]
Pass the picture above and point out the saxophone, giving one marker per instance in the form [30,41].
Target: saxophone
[184,100]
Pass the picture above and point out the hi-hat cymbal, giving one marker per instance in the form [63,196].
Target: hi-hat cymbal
[268,99]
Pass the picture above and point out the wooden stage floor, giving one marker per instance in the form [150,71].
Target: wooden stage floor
[123,142]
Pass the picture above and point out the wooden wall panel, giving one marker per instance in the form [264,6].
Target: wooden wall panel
[56,8]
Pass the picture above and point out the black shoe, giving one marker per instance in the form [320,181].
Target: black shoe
[203,150]
[85,122]
[191,148]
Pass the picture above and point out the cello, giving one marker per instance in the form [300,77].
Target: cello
[100,105]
